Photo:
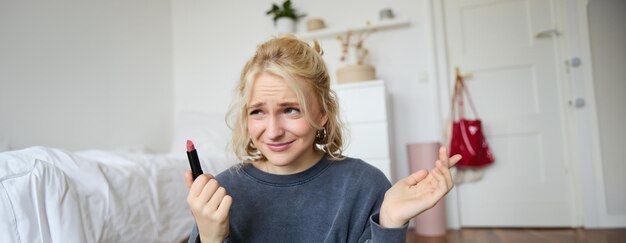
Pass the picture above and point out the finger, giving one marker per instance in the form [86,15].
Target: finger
[198,185]
[188,178]
[446,173]
[441,181]
[415,177]
[429,178]
[443,155]
[216,199]
[224,207]
[208,190]
[454,159]
[436,170]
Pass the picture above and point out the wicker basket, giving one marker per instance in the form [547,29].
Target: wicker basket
[355,73]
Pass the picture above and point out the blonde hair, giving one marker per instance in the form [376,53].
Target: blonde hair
[293,60]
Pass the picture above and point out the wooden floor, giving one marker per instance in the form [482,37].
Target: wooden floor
[494,235]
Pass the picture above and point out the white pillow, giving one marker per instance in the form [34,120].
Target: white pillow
[208,131]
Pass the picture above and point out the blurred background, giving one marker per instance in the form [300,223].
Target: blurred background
[546,76]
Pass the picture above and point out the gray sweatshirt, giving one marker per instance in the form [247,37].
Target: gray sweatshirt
[333,201]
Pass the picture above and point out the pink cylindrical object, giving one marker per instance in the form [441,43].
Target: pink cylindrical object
[433,221]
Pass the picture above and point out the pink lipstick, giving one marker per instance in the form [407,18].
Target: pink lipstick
[194,161]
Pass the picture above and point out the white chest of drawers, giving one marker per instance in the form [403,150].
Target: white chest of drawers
[364,109]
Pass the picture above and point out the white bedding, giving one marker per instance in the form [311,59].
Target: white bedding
[51,195]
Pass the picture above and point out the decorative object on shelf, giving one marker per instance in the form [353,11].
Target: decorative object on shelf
[315,24]
[354,56]
[386,14]
[332,32]
[285,17]
[355,73]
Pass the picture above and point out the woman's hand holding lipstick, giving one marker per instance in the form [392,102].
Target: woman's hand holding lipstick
[209,205]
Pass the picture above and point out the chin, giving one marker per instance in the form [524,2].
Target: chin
[279,159]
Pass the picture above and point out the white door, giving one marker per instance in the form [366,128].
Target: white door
[511,50]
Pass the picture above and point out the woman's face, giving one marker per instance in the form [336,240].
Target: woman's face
[278,127]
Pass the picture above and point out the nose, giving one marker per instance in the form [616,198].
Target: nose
[274,128]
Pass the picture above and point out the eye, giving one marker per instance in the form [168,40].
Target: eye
[292,111]
[255,112]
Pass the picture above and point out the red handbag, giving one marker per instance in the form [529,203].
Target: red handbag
[467,135]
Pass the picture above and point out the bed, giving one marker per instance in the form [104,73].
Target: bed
[54,195]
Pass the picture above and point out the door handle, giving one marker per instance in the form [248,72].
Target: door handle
[547,33]
[578,102]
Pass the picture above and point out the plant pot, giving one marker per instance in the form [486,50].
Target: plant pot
[432,222]
[285,26]
[355,73]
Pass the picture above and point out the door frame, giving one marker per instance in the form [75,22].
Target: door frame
[582,185]
[590,184]
[438,68]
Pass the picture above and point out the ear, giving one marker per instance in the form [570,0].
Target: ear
[324,119]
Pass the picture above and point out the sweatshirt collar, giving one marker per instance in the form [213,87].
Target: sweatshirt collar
[287,180]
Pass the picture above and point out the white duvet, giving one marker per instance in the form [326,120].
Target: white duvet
[51,195]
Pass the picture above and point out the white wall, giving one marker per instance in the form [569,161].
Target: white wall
[86,74]
[607,26]
[211,45]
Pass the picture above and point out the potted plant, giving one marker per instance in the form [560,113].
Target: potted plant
[285,17]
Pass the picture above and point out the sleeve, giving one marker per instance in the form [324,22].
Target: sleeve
[382,234]
[194,237]
[374,232]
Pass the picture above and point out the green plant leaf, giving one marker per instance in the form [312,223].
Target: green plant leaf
[287,5]
[287,11]
[273,10]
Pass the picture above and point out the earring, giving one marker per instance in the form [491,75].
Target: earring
[320,136]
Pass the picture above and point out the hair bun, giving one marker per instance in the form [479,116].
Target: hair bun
[317,47]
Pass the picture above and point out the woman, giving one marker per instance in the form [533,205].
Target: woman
[294,184]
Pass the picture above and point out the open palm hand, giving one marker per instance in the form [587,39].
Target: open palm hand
[418,192]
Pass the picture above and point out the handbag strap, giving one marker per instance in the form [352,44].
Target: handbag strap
[457,97]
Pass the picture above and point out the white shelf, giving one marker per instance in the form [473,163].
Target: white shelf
[332,32]
[358,84]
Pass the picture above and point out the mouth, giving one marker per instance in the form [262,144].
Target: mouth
[279,147]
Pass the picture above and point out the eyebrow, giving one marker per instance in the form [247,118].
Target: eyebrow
[287,104]
[284,104]
[255,105]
